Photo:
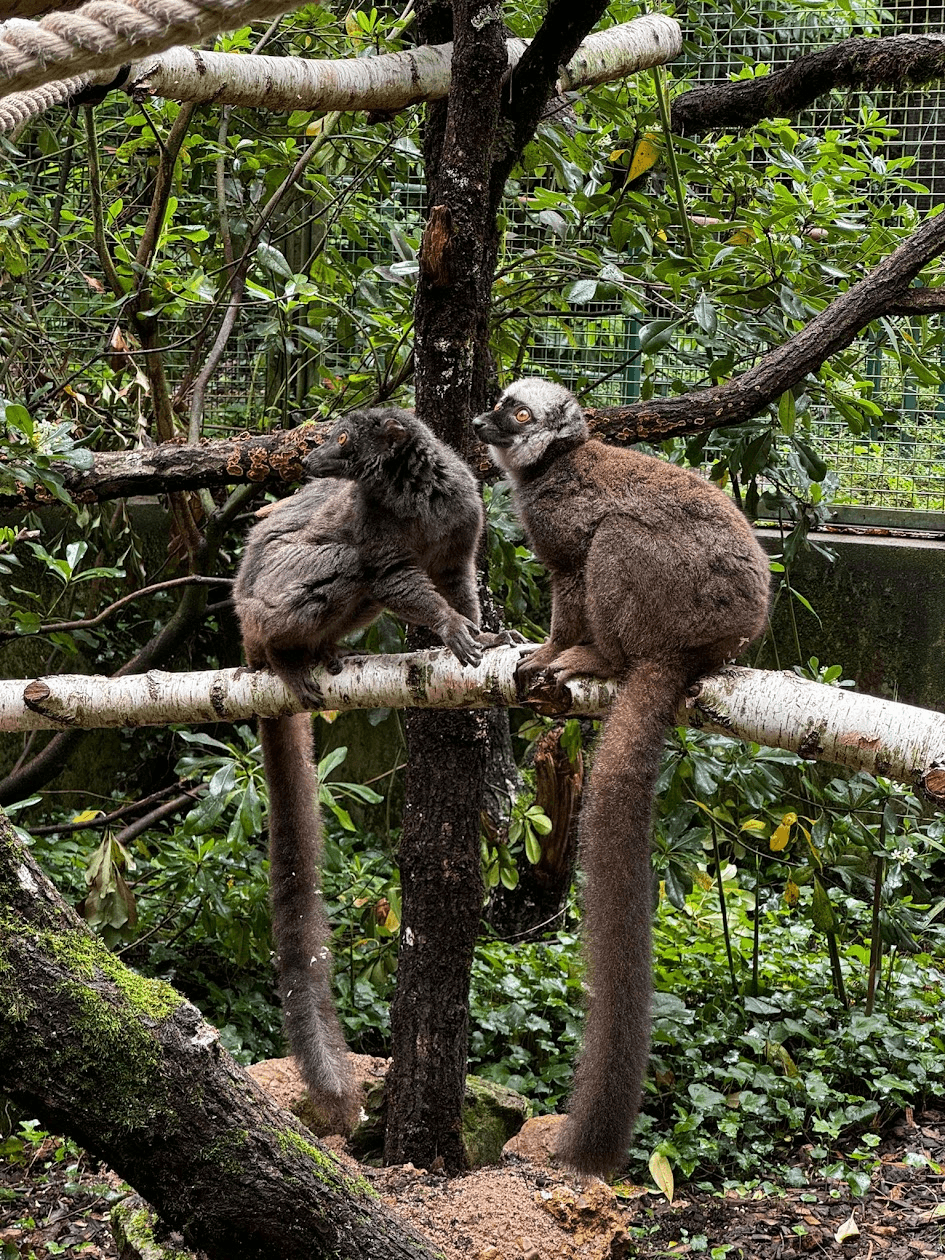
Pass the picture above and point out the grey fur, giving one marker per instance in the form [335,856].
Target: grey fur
[656,578]
[393,521]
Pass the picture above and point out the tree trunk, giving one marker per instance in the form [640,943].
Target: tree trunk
[130,1070]
[439,852]
[441,884]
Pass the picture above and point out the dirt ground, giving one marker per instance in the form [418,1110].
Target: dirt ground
[527,1210]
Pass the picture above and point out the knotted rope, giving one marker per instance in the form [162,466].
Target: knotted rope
[105,33]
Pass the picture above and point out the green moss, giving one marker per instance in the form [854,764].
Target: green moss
[228,1152]
[111,1053]
[84,955]
[134,1229]
[291,1142]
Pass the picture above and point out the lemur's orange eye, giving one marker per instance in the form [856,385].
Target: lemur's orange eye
[342,438]
[522,415]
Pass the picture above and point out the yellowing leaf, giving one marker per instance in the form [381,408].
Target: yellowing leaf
[315,127]
[616,155]
[704,880]
[753,824]
[328,715]
[87,815]
[782,833]
[777,1056]
[392,922]
[791,893]
[779,838]
[644,155]
[662,1173]
[847,1230]
[743,236]
[628,1190]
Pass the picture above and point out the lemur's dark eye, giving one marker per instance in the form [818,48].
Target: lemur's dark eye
[522,415]
[342,438]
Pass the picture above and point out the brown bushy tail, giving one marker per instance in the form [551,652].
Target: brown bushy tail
[616,820]
[299,924]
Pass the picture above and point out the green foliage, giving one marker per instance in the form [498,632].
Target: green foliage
[763,860]
[28,448]
[525,1008]
[707,260]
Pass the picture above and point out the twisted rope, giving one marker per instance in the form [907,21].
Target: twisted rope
[17,107]
[104,33]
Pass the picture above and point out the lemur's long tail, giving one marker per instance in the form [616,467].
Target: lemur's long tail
[300,926]
[615,826]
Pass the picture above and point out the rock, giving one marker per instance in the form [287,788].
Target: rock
[592,1215]
[491,1115]
[536,1140]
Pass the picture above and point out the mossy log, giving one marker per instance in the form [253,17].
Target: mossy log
[130,1069]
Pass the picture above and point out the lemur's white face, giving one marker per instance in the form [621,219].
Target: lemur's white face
[530,415]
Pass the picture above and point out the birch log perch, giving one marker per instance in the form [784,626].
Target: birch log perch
[387,83]
[779,710]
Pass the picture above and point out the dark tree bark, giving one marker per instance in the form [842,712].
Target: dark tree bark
[130,1070]
[855,65]
[270,459]
[441,884]
[439,848]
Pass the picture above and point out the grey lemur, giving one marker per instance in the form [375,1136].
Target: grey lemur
[395,525]
[656,579]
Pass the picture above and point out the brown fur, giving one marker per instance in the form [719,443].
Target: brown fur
[394,524]
[656,578]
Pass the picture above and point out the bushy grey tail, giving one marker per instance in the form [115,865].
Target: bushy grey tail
[614,839]
[300,925]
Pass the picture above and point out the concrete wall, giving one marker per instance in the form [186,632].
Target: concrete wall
[881,610]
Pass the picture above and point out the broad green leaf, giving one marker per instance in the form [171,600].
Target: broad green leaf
[821,909]
[662,1173]
[582,291]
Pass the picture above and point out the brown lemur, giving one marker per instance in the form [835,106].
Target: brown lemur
[656,579]
[395,524]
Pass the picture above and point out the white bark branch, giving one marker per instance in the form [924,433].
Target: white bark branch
[386,83]
[822,723]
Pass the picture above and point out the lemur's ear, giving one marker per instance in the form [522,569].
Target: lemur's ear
[394,431]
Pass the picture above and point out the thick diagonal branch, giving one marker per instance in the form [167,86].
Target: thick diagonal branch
[884,291]
[855,65]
